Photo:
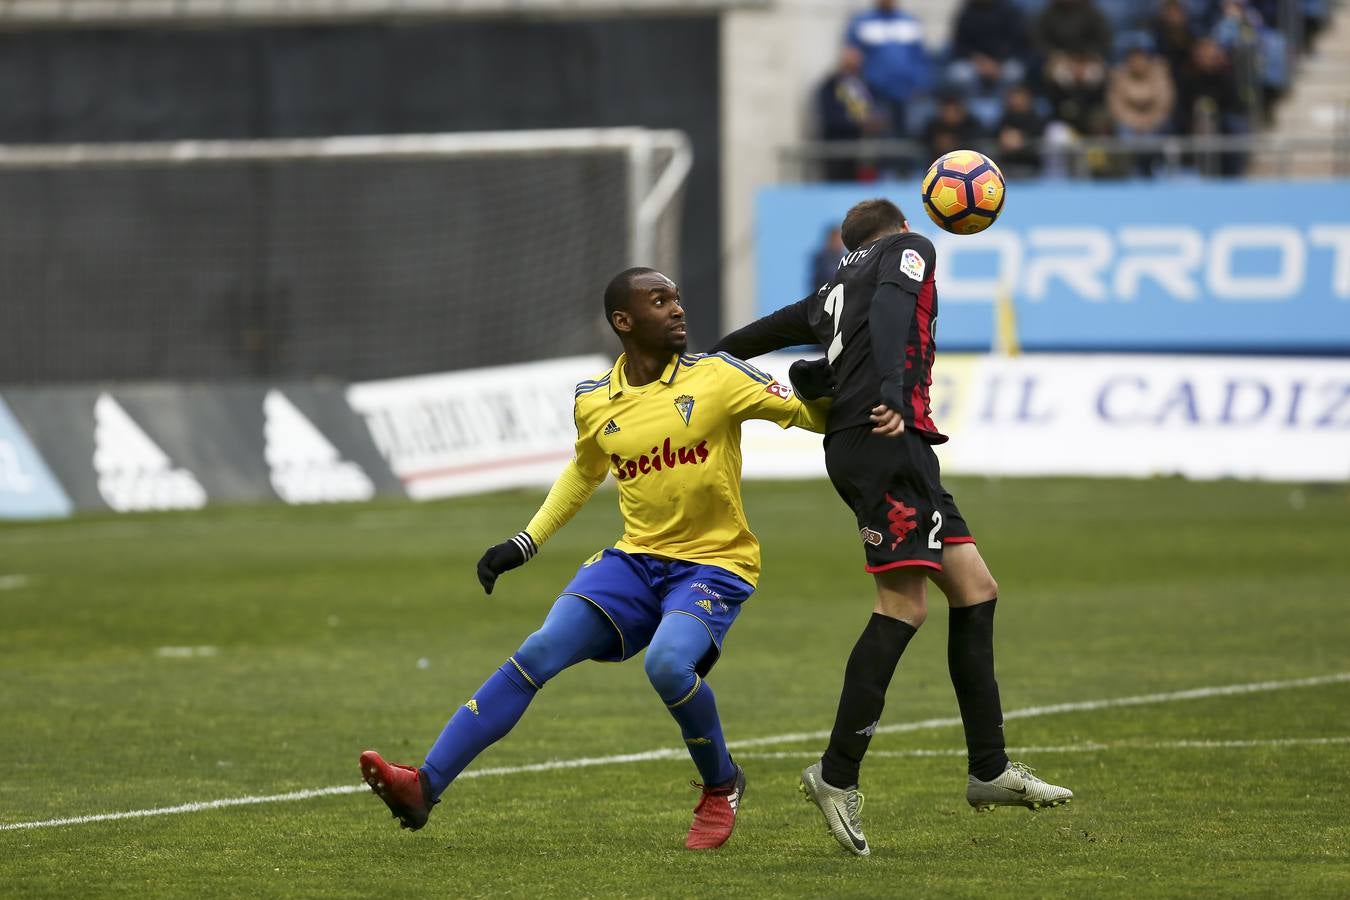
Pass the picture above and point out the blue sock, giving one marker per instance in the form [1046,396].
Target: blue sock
[702,730]
[573,631]
[680,642]
[493,710]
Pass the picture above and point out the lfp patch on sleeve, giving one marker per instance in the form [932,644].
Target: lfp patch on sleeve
[779,390]
[911,263]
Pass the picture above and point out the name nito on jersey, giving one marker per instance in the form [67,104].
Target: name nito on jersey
[1183,262]
[850,258]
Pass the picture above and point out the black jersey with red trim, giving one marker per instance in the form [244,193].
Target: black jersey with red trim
[898,270]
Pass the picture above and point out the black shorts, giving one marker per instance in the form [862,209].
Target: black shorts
[894,487]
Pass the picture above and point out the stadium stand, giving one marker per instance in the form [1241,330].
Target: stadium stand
[1095,69]
[91,13]
[1316,105]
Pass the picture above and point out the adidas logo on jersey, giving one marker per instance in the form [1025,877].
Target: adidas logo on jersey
[705,605]
[612,427]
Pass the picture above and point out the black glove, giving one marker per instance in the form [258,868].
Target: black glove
[504,557]
[812,378]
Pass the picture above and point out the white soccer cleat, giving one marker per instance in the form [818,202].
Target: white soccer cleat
[841,807]
[1017,786]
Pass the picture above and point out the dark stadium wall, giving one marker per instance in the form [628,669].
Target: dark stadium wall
[120,85]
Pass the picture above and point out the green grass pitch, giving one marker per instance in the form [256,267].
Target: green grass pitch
[153,661]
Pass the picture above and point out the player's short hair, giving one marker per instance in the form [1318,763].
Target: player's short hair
[619,289]
[868,219]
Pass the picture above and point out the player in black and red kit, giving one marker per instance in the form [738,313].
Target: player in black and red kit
[877,320]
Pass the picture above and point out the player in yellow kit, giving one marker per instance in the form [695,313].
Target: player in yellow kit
[667,426]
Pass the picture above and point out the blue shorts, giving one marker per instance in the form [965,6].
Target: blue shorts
[636,591]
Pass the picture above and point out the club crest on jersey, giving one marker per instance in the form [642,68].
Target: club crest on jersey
[612,427]
[685,404]
[912,264]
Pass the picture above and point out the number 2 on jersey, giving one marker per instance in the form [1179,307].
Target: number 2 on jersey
[935,542]
[834,307]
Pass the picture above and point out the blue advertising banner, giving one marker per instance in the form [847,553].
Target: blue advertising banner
[1236,266]
[27,488]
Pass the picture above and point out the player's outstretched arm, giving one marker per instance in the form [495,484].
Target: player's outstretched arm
[787,327]
[504,557]
[752,394]
[569,493]
[812,415]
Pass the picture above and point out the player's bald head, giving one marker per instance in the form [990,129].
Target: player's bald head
[623,286]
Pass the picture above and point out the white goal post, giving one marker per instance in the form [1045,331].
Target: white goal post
[346,256]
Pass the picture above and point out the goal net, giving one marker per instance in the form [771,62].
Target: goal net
[344,257]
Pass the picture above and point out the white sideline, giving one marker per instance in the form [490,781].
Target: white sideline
[649,755]
[1077,748]
[1077,706]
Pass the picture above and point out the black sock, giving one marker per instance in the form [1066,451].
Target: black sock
[866,678]
[970,659]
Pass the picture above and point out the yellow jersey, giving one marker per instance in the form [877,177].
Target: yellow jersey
[674,446]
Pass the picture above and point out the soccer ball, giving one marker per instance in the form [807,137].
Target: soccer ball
[963,192]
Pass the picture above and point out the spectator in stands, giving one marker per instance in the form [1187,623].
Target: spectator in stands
[952,127]
[1208,91]
[1073,28]
[990,45]
[1019,131]
[1076,89]
[1257,53]
[1141,97]
[1075,39]
[1265,13]
[1172,34]
[1208,102]
[848,111]
[1316,14]
[895,62]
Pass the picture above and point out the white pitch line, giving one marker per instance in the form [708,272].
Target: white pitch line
[1075,748]
[188,807]
[1077,706]
[584,762]
[650,755]
[206,805]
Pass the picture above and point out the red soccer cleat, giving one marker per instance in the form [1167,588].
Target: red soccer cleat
[402,788]
[715,815]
